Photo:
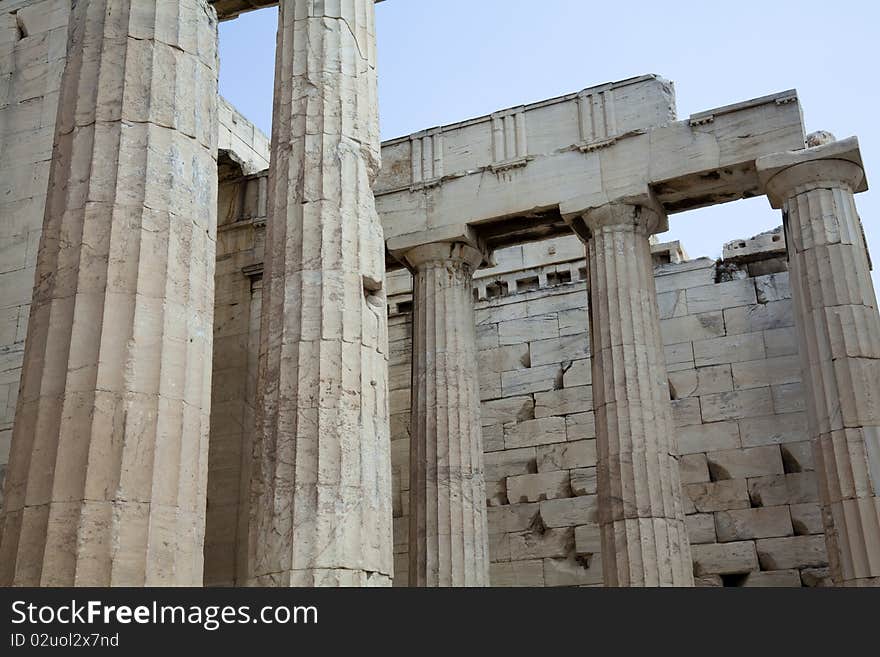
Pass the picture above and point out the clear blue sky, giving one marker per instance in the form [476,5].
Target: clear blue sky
[442,61]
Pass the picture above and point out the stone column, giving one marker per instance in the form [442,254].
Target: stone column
[644,539]
[448,535]
[839,339]
[108,467]
[322,466]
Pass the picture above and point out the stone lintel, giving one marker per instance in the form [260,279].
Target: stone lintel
[229,9]
[845,150]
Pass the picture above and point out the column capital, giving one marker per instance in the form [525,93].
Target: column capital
[782,175]
[644,212]
[450,243]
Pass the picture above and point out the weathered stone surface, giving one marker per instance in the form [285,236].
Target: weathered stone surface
[448,539]
[718,496]
[795,488]
[540,544]
[570,512]
[743,524]
[323,395]
[541,431]
[107,476]
[791,552]
[536,487]
[711,437]
[773,578]
[643,533]
[748,462]
[724,558]
[839,343]
[566,456]
[518,573]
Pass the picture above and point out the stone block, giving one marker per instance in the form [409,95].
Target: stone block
[701,528]
[560,349]
[780,342]
[773,579]
[512,518]
[806,518]
[708,581]
[573,571]
[788,398]
[507,410]
[541,431]
[573,321]
[564,402]
[797,457]
[686,412]
[761,317]
[570,512]
[701,381]
[493,438]
[499,547]
[583,481]
[773,429]
[718,495]
[773,287]
[693,469]
[566,456]
[690,328]
[679,356]
[509,462]
[724,558]
[536,487]
[719,296]
[816,577]
[792,552]
[711,437]
[693,273]
[746,462]
[533,379]
[672,304]
[580,426]
[736,404]
[588,539]
[517,573]
[528,329]
[542,544]
[767,372]
[503,359]
[577,373]
[729,349]
[775,490]
[744,524]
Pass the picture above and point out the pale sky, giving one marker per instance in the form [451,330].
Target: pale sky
[442,61]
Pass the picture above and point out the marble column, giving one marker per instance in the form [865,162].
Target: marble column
[108,467]
[839,339]
[644,539]
[448,535]
[322,466]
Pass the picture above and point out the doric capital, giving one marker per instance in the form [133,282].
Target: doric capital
[451,244]
[839,163]
[644,213]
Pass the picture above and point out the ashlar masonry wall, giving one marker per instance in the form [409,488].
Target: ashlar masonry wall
[747,468]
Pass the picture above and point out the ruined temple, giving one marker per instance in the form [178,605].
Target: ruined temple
[462,357]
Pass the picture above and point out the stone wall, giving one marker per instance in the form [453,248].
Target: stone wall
[747,469]
[33,47]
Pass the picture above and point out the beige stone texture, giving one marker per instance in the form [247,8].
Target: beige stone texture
[644,537]
[322,468]
[839,339]
[109,455]
[448,535]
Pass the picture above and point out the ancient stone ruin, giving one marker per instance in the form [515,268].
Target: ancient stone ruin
[457,358]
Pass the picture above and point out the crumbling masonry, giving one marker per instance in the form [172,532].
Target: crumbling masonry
[225,361]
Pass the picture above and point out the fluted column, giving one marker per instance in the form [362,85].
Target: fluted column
[839,339]
[108,467]
[448,535]
[322,466]
[644,540]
